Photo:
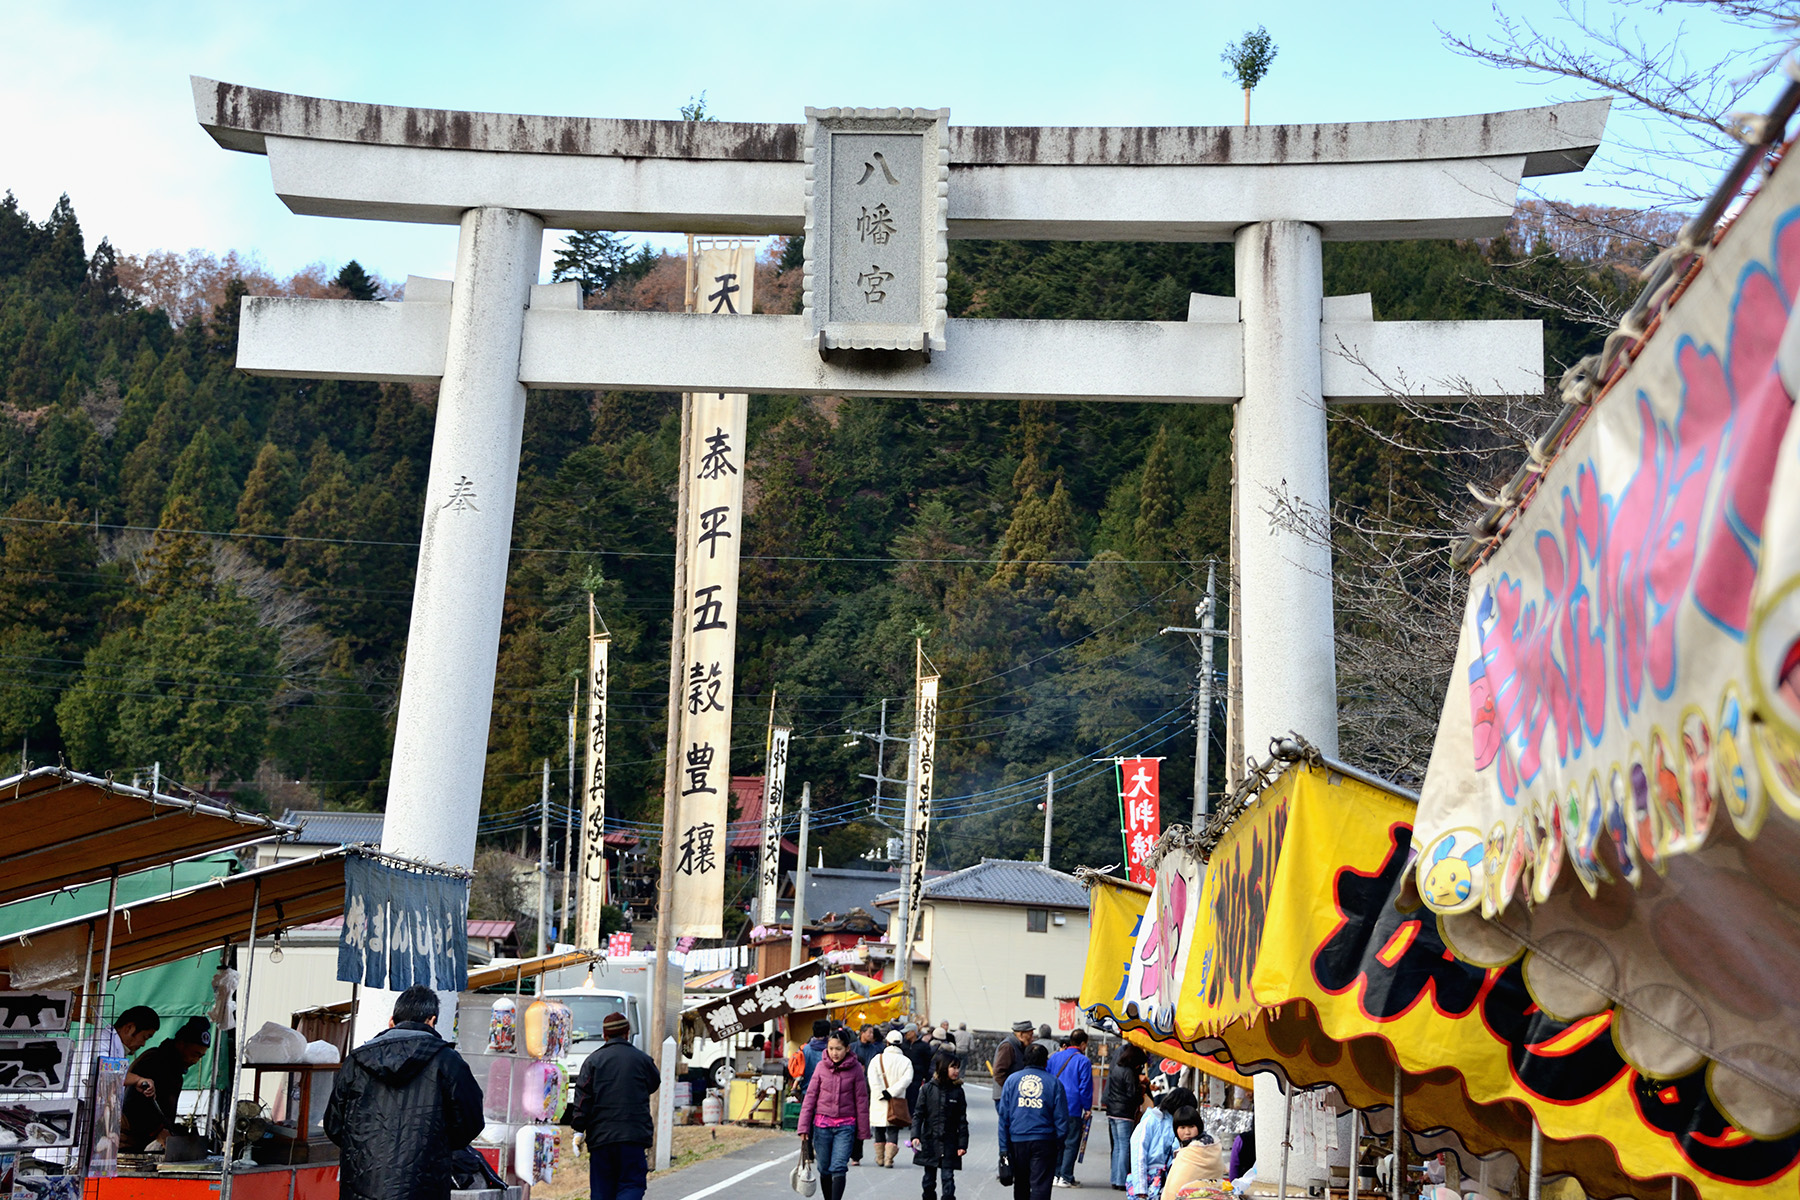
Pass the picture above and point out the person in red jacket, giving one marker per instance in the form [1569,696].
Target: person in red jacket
[835,1113]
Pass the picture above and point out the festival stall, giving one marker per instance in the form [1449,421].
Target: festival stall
[1303,949]
[234,908]
[1612,813]
[71,832]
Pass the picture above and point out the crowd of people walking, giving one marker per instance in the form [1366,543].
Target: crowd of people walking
[900,1087]
[405,1106]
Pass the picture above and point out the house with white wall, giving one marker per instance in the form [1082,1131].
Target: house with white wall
[998,942]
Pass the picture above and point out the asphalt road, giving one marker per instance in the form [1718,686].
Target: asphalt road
[760,1172]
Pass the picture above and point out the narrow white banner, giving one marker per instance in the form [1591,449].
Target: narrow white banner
[593,805]
[926,731]
[768,891]
[725,277]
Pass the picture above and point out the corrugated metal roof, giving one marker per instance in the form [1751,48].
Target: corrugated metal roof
[318,828]
[1004,881]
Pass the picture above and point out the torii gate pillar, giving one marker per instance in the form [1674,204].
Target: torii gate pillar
[453,642]
[1284,576]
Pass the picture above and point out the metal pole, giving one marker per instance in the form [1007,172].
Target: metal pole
[665,879]
[112,902]
[1203,726]
[1287,1134]
[237,1067]
[1399,1163]
[1536,1179]
[1049,811]
[155,778]
[1355,1149]
[796,940]
[544,864]
[569,822]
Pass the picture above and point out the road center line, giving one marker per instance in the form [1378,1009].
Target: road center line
[741,1175]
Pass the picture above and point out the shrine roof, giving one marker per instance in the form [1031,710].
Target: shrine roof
[1552,138]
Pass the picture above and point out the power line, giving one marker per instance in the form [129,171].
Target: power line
[670,554]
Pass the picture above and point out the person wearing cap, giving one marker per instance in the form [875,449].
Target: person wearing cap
[404,1101]
[890,1073]
[149,1113]
[1010,1056]
[610,1107]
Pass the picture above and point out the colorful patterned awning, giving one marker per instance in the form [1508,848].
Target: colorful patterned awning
[1307,952]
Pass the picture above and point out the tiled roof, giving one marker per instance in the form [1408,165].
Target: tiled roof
[1004,881]
[745,833]
[838,890]
[334,828]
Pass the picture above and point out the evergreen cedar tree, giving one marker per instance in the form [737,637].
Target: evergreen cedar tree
[1019,530]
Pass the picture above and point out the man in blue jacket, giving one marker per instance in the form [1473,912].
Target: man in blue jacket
[1072,1069]
[1034,1120]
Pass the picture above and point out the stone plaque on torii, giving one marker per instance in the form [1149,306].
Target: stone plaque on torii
[1275,192]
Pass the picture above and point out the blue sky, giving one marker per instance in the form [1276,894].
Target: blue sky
[98,102]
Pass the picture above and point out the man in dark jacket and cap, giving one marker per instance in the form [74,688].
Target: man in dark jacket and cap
[611,1109]
[1010,1056]
[404,1102]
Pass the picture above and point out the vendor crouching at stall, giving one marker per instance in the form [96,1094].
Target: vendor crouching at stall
[145,1119]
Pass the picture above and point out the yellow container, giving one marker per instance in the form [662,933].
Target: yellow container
[740,1100]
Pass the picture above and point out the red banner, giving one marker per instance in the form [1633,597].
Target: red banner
[1138,812]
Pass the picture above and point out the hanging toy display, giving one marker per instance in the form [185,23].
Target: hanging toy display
[562,1093]
[534,1152]
[503,1026]
[547,1027]
[541,1096]
[562,1026]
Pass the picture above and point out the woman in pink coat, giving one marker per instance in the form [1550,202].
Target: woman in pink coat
[835,1114]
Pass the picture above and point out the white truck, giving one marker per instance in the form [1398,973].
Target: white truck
[615,985]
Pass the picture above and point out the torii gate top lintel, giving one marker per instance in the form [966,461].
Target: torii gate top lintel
[1432,177]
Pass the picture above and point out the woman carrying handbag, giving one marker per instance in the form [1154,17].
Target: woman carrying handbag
[889,1074]
[835,1114]
[941,1126]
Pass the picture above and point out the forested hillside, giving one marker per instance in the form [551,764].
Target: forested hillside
[213,571]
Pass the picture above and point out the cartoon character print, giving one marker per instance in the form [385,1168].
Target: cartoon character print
[1666,798]
[1549,852]
[1702,789]
[1645,836]
[1449,878]
[1743,799]
[1620,854]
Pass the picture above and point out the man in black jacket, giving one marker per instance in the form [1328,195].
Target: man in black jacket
[405,1101]
[611,1109]
[1010,1056]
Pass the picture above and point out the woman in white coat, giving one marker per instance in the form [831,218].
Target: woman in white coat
[890,1072]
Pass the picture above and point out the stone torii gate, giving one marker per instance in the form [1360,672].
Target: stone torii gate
[1276,192]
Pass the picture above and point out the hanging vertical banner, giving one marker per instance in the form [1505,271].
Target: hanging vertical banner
[768,892]
[926,733]
[1142,823]
[725,276]
[593,805]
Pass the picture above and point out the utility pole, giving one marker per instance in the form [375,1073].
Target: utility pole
[881,739]
[569,820]
[1049,811]
[797,939]
[1203,702]
[544,864]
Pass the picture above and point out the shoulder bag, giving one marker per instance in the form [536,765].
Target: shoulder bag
[897,1111]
